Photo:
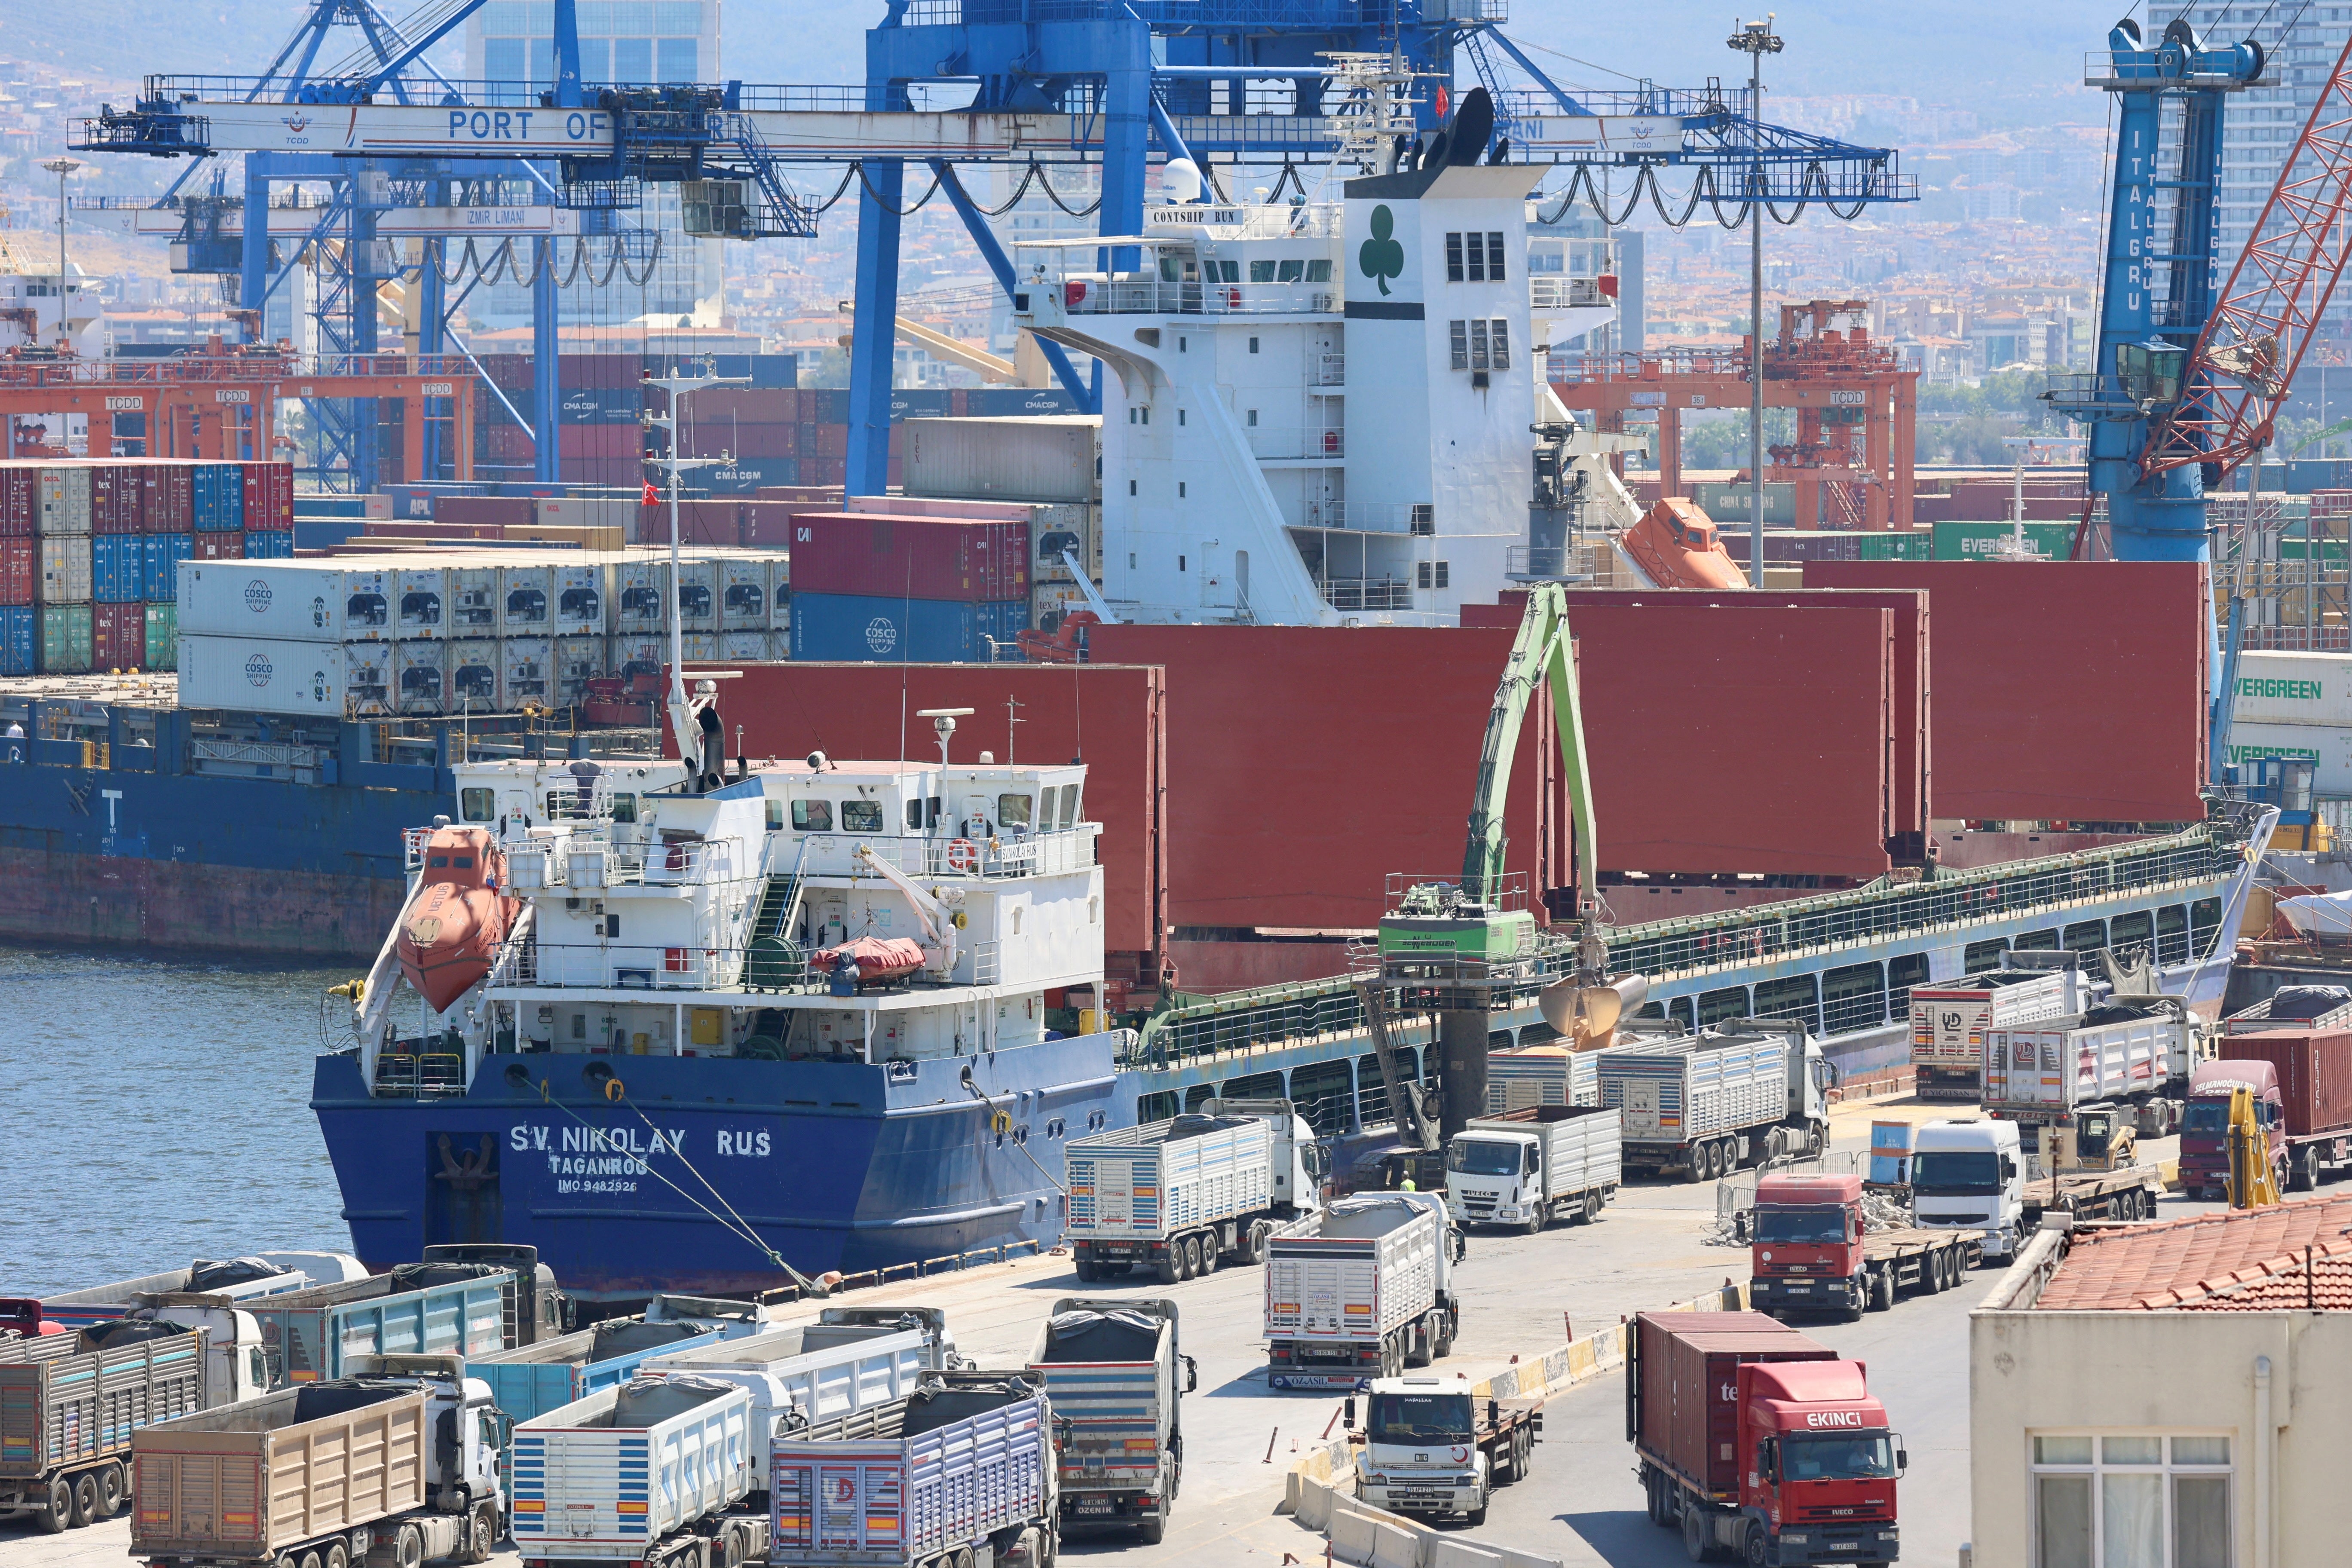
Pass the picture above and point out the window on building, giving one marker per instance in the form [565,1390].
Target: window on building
[1180,416]
[1458,332]
[812,816]
[1499,340]
[1432,573]
[677,60]
[1069,806]
[1453,259]
[625,809]
[1478,346]
[1179,490]
[633,61]
[1253,418]
[1253,345]
[2131,1501]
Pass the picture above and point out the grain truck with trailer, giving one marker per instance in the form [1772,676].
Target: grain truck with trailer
[1362,1289]
[959,1472]
[1528,1167]
[655,1473]
[396,1462]
[1741,1091]
[1949,1022]
[237,1279]
[417,1308]
[2130,1052]
[1758,1443]
[1176,1196]
[71,1402]
[1115,1376]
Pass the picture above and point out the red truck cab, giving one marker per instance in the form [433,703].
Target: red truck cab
[1805,1237]
[2205,1130]
[1821,1464]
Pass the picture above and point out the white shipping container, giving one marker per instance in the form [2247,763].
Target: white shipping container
[65,502]
[1044,458]
[526,602]
[65,569]
[2328,746]
[471,667]
[422,593]
[1069,526]
[701,646]
[698,594]
[577,592]
[751,647]
[743,594]
[474,601]
[635,590]
[587,511]
[2293,688]
[420,672]
[526,673]
[306,601]
[263,675]
[577,661]
[634,656]
[1049,602]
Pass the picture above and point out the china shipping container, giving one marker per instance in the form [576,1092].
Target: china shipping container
[19,570]
[473,609]
[970,559]
[857,627]
[269,544]
[577,660]
[163,637]
[118,567]
[578,596]
[65,569]
[219,546]
[64,639]
[306,601]
[118,636]
[20,639]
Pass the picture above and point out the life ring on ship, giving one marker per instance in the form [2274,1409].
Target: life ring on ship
[963,855]
[1232,298]
[613,1090]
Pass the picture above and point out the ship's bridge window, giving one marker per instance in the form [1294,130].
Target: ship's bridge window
[477,804]
[1013,811]
[1069,806]
[775,814]
[813,816]
[861,815]
[1045,808]
[625,809]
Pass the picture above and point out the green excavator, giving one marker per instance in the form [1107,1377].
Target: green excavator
[1455,945]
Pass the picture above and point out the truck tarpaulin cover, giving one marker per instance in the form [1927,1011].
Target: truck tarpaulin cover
[1109,718]
[1795,704]
[2061,692]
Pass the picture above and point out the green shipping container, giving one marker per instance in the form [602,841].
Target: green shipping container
[1916,545]
[1728,504]
[1982,541]
[64,639]
[163,637]
[2303,549]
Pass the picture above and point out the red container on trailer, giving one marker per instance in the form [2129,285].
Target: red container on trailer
[1684,1404]
[2314,1074]
[971,561]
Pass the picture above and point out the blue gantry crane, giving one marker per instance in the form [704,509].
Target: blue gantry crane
[1107,84]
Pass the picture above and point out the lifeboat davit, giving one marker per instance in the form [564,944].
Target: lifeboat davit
[450,932]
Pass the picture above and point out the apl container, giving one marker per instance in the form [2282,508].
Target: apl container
[163,637]
[1890,1154]
[118,637]
[420,675]
[856,627]
[973,560]
[474,601]
[309,601]
[65,569]
[118,567]
[64,639]
[20,639]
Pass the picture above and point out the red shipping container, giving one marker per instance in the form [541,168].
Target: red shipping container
[20,569]
[2113,653]
[115,497]
[168,503]
[19,499]
[742,405]
[827,473]
[118,636]
[831,441]
[2314,1074]
[495,511]
[220,546]
[962,559]
[269,496]
[600,440]
[1684,1404]
[509,444]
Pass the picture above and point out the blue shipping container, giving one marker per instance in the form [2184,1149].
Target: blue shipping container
[19,640]
[860,628]
[219,498]
[118,568]
[747,474]
[600,406]
[1007,401]
[161,570]
[269,544]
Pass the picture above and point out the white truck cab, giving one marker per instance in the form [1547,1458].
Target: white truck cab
[462,1462]
[1970,1173]
[236,1364]
[1422,1455]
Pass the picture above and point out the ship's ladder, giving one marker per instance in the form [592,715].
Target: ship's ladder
[773,960]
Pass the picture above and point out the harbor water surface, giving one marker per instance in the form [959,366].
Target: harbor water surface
[155,1111]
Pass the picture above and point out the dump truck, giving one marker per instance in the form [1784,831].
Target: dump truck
[531,1379]
[70,1404]
[2129,1051]
[1178,1196]
[1430,1447]
[1757,1443]
[2294,1007]
[655,1473]
[1811,1249]
[2301,1079]
[1744,1090]
[1949,1022]
[959,1471]
[1115,1376]
[399,1458]
[806,1372]
[1525,1168]
[417,1308]
[533,1309]
[1363,1290]
[236,1280]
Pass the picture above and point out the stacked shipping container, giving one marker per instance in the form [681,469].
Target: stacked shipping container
[933,590]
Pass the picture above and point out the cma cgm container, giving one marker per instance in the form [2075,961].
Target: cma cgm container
[310,601]
[855,627]
[262,675]
[970,560]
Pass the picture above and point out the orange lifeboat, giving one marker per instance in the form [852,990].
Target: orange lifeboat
[450,932]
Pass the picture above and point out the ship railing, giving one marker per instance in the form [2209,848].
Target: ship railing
[1352,594]
[1416,518]
[1160,297]
[406,1069]
[620,966]
[1003,853]
[1328,370]
[1251,220]
[1555,293]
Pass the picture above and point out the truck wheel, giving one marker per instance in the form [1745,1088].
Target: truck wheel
[56,1514]
[2304,1173]
[337,1557]
[1695,1164]
[409,1547]
[1882,1290]
[1539,1217]
[1151,1528]
[1085,1270]
[1698,1533]
[1169,1267]
[1591,1213]
[1476,1516]
[1757,1551]
[85,1500]
[1208,1253]
[310,1560]
[481,1534]
[110,1491]
[1254,1247]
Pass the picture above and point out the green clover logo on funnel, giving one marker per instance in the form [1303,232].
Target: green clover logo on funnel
[1381,257]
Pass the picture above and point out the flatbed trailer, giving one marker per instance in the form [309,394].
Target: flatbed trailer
[2128,1194]
[1916,1259]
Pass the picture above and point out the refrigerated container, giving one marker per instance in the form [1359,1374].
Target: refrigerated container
[526,673]
[421,597]
[471,667]
[743,584]
[420,677]
[266,675]
[473,609]
[698,594]
[640,655]
[636,595]
[748,647]
[301,601]
[577,661]
[578,598]
[527,601]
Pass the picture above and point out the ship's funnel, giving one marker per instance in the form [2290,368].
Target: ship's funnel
[1587,1015]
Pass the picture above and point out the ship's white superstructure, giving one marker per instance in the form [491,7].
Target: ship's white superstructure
[1316,413]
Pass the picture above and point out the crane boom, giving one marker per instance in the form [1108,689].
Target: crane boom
[1540,658]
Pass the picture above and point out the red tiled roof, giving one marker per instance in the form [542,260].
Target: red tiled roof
[2241,1261]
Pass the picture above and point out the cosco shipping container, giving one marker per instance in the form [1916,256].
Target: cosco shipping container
[261,675]
[304,600]
[853,627]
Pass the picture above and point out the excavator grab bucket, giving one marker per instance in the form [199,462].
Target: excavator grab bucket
[1587,1015]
